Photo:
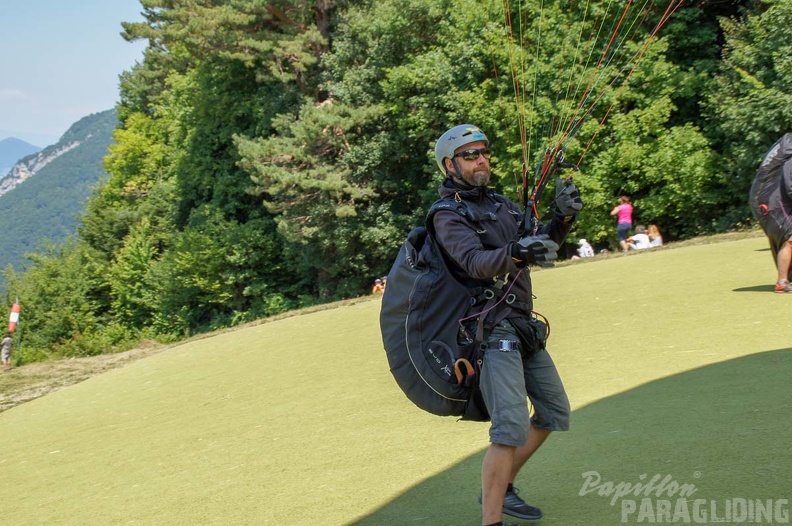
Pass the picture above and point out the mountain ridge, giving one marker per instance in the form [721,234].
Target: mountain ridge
[12,150]
[44,194]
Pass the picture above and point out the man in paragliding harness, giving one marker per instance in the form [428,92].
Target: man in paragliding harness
[483,247]
[771,205]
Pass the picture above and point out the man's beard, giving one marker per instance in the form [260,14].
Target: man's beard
[477,178]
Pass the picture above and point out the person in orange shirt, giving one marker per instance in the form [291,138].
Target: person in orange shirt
[379,286]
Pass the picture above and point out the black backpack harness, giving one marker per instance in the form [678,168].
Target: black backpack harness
[435,327]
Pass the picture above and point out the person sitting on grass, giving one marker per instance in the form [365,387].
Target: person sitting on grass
[584,250]
[655,239]
[639,240]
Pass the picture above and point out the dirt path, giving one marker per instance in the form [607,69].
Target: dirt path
[31,381]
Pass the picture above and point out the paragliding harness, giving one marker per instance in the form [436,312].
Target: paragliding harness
[435,328]
[771,195]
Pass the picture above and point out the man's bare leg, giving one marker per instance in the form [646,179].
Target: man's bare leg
[499,469]
[783,260]
[536,438]
[495,472]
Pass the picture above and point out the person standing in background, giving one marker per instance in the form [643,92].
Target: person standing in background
[623,212]
[6,351]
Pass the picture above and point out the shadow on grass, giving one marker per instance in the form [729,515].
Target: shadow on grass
[756,288]
[722,429]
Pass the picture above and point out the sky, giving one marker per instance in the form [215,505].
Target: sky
[59,62]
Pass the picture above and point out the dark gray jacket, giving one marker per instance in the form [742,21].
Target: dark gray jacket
[478,244]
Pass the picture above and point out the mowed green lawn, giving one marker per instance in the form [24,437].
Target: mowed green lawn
[677,362]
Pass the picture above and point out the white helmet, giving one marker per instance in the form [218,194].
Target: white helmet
[457,136]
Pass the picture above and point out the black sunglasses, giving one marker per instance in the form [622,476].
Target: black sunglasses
[473,154]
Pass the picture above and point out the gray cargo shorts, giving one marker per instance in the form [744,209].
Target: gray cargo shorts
[508,381]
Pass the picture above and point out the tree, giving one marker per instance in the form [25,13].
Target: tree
[750,106]
[61,314]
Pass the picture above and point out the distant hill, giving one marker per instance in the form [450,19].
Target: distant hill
[44,193]
[12,150]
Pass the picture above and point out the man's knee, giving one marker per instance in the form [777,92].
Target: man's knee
[510,426]
[552,414]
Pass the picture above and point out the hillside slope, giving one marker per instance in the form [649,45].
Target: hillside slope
[298,421]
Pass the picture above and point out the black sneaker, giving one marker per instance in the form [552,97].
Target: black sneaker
[514,506]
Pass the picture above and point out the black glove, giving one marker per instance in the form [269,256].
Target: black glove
[568,201]
[535,250]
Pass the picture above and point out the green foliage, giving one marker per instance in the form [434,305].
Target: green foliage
[140,157]
[55,291]
[750,105]
[215,274]
[130,300]
[314,178]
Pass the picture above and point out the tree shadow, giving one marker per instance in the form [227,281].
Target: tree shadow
[721,430]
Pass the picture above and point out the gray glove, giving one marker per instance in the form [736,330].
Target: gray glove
[535,250]
[568,201]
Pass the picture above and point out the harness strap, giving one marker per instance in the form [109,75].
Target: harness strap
[491,293]
[491,318]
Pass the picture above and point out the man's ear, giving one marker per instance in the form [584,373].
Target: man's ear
[449,165]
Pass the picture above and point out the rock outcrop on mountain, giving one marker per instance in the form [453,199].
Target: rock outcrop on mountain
[32,164]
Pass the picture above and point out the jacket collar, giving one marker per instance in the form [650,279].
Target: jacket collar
[450,187]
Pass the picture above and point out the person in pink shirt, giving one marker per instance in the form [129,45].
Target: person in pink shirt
[623,212]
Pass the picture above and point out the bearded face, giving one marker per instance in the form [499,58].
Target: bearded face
[471,164]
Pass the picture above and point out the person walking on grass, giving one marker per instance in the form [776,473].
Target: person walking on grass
[770,199]
[783,262]
[623,212]
[5,345]
[478,253]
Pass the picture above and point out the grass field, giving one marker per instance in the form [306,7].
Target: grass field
[677,363]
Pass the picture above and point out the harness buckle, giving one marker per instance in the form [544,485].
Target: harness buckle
[508,345]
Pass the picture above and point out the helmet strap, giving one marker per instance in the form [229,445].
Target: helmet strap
[457,171]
